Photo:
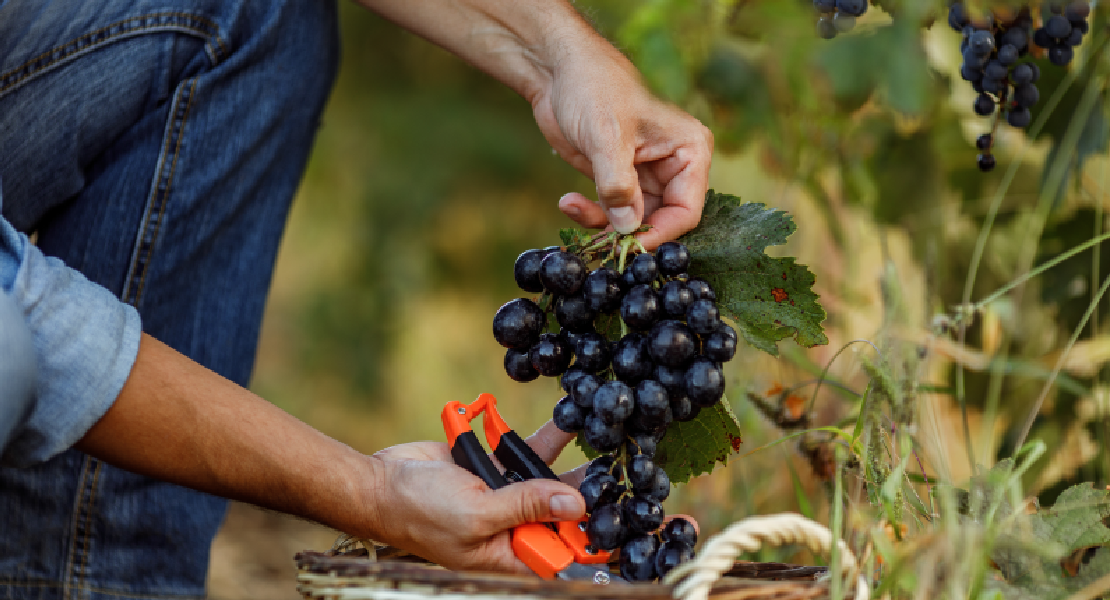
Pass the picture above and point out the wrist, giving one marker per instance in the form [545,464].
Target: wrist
[368,520]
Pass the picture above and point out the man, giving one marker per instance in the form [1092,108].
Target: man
[154,147]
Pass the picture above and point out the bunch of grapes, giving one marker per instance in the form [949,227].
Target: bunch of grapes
[623,394]
[992,50]
[837,16]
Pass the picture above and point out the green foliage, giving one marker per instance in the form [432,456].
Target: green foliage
[769,299]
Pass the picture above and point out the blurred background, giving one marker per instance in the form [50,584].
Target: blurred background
[428,179]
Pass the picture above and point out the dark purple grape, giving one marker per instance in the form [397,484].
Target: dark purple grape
[526,270]
[584,389]
[986,162]
[602,437]
[652,402]
[1021,75]
[628,280]
[971,73]
[598,489]
[519,367]
[643,513]
[562,273]
[1019,117]
[551,356]
[1036,72]
[638,424]
[613,402]
[640,307]
[1007,56]
[957,17]
[670,555]
[1042,39]
[672,343]
[675,299]
[720,346]
[981,43]
[670,378]
[570,337]
[704,383]
[1060,55]
[605,527]
[644,270]
[599,465]
[592,352]
[992,85]
[701,289]
[518,324]
[1016,37]
[570,377]
[637,558]
[660,485]
[680,530]
[641,443]
[703,317]
[856,8]
[631,360]
[602,290]
[568,416]
[1077,12]
[984,105]
[673,258]
[1075,38]
[574,313]
[641,473]
[996,70]
[1057,27]
[683,408]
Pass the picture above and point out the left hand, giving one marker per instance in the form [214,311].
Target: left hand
[649,160]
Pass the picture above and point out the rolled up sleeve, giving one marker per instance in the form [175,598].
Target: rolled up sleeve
[85,342]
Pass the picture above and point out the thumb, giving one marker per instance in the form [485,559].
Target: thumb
[536,500]
[618,190]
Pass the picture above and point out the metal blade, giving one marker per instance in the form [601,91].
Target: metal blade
[597,574]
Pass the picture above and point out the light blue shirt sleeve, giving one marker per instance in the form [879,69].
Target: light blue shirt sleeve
[85,342]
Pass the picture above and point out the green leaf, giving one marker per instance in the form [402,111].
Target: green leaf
[572,236]
[769,299]
[695,447]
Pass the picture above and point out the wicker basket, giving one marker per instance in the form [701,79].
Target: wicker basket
[357,575]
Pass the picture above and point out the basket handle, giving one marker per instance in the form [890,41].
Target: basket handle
[693,579]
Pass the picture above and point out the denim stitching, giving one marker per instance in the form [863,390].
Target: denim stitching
[172,21]
[160,193]
[86,546]
[15,583]
[85,492]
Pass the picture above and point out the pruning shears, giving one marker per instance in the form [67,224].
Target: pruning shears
[553,550]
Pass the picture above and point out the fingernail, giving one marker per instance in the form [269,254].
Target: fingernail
[623,219]
[564,506]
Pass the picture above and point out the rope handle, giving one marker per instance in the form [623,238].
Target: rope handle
[693,579]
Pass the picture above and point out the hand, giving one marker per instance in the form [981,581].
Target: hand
[649,159]
[435,509]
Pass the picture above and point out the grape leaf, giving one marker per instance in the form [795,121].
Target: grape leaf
[769,299]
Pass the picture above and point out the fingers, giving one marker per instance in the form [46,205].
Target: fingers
[618,188]
[583,211]
[549,441]
[533,501]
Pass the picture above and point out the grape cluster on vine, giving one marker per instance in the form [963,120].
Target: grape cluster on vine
[622,394]
[993,49]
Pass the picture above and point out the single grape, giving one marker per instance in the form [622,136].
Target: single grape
[682,530]
[641,443]
[1027,95]
[643,513]
[562,273]
[605,527]
[996,70]
[613,402]
[637,558]
[1077,12]
[640,307]
[569,378]
[652,402]
[984,105]
[1019,117]
[670,555]
[526,270]
[598,489]
[641,473]
[638,424]
[703,317]
[826,29]
[592,352]
[971,73]
[983,142]
[673,380]
[704,383]
[644,270]
[1036,72]
[1042,39]
[981,43]
[720,346]
[599,465]
[518,324]
[1075,38]
[584,389]
[994,86]
[551,355]
[957,17]
[856,8]
[986,162]
[660,485]
[1021,75]
[683,408]
[673,257]
[1058,27]
[675,298]
[1016,37]
[1060,55]
[701,289]
[568,416]
[602,290]
[628,280]
[672,343]
[631,360]
[602,437]
[570,337]
[574,313]
[518,366]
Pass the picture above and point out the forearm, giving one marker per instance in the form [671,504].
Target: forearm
[519,42]
[177,421]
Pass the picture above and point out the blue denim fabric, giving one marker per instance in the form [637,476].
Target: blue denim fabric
[18,369]
[155,147]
